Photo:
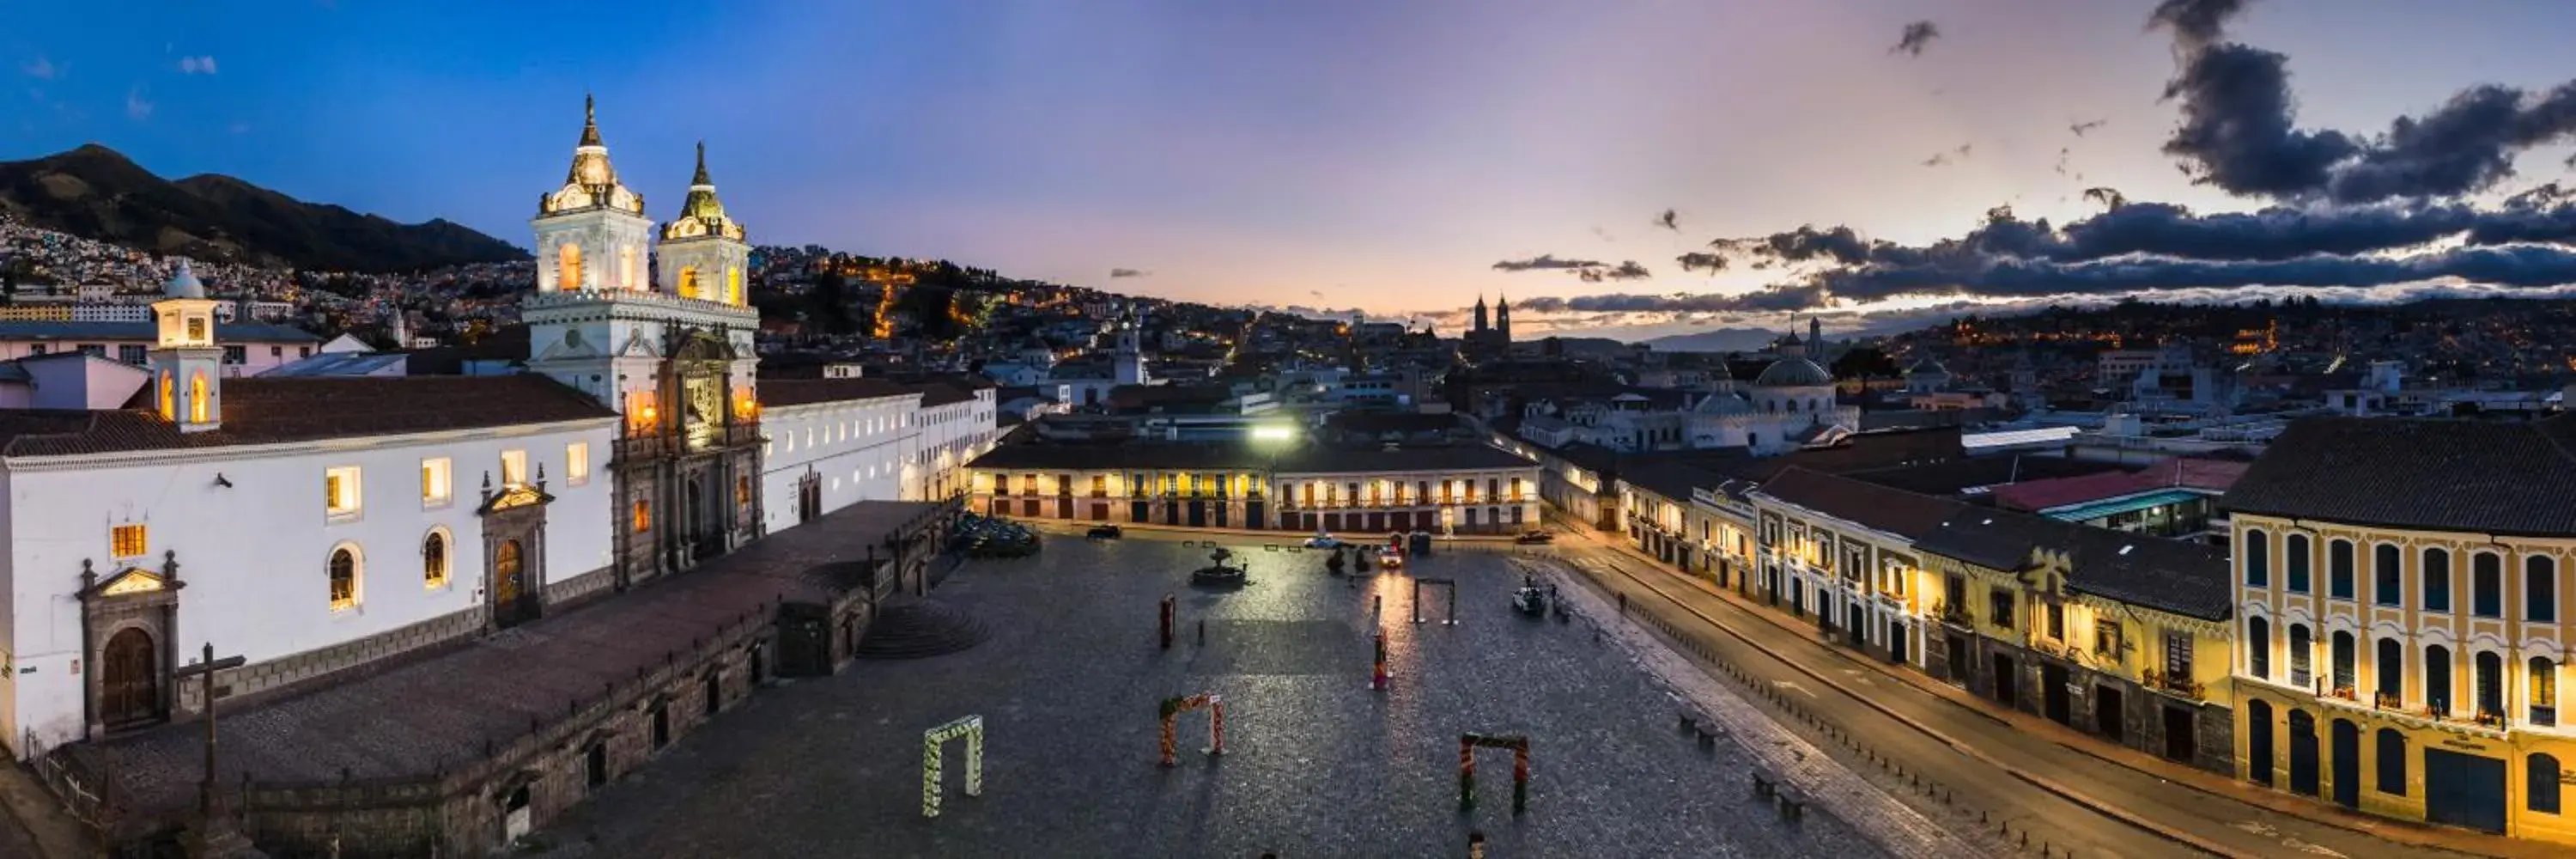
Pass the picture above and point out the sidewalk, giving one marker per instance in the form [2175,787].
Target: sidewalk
[2203,781]
[34,824]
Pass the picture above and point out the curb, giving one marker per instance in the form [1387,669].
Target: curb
[15,783]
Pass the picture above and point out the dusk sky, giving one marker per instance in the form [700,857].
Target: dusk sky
[1328,153]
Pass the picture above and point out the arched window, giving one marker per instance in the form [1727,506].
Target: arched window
[2339,572]
[2543,783]
[2258,559]
[344,578]
[2301,644]
[2437,579]
[2258,647]
[2542,688]
[2387,567]
[2294,560]
[689,281]
[2486,584]
[433,560]
[2343,652]
[2392,762]
[2391,668]
[169,397]
[198,409]
[2539,590]
[742,490]
[2489,670]
[568,266]
[2437,680]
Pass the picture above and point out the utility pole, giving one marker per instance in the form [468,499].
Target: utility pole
[214,838]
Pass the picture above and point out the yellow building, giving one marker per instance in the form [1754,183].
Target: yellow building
[36,312]
[1296,486]
[2402,587]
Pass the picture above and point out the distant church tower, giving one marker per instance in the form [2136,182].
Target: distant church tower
[1480,317]
[187,365]
[1503,321]
[1129,361]
[591,232]
[703,254]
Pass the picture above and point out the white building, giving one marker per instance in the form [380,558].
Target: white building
[833,443]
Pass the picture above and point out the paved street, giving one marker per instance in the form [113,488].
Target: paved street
[1316,764]
[1995,770]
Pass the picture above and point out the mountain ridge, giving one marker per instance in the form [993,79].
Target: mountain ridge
[95,192]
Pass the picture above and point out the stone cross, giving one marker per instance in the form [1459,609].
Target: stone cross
[206,668]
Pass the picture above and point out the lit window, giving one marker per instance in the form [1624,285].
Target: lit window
[198,411]
[433,560]
[437,485]
[344,579]
[514,468]
[577,463]
[643,516]
[126,541]
[340,491]
[742,490]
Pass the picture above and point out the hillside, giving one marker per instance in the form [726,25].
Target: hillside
[1719,340]
[96,192]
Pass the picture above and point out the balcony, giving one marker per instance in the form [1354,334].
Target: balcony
[2387,701]
[2303,678]
[2344,692]
[1953,615]
[2173,685]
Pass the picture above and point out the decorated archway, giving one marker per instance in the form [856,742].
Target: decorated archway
[969,727]
[1171,713]
[1468,743]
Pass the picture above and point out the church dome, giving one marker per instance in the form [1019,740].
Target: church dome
[592,183]
[1721,404]
[1927,366]
[184,284]
[1793,373]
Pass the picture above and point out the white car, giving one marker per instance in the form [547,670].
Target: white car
[1321,541]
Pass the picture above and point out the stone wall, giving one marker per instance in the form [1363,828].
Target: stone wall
[570,592]
[278,676]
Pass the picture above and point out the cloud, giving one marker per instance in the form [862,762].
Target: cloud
[1947,156]
[1670,220]
[2087,125]
[1915,38]
[1696,260]
[1765,300]
[197,65]
[1316,294]
[1117,273]
[2110,198]
[137,106]
[42,69]
[1628,270]
[1546,262]
[2240,132]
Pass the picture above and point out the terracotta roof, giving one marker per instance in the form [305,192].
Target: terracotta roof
[2440,474]
[2185,578]
[806,392]
[1893,511]
[265,411]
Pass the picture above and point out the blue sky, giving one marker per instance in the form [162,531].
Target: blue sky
[1329,152]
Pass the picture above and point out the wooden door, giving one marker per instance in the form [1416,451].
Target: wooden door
[131,680]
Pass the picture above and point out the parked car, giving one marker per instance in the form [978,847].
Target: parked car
[1104,532]
[1323,541]
[1535,538]
[1391,560]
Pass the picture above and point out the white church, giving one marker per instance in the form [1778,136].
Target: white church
[313,523]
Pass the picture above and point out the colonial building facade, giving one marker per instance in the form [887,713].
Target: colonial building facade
[2402,586]
[1450,489]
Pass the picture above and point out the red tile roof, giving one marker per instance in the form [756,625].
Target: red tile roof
[2177,473]
[266,411]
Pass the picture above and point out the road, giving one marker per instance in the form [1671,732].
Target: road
[1994,768]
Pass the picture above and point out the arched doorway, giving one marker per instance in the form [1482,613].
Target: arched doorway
[2258,741]
[568,266]
[130,691]
[2303,753]
[510,604]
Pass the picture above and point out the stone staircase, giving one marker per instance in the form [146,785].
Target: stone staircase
[910,627]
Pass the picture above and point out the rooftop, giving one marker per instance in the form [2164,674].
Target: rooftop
[2438,474]
[269,411]
[225,332]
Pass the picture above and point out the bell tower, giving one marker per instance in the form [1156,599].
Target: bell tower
[591,233]
[187,365]
[703,253]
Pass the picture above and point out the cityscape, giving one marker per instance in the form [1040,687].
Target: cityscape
[1101,460]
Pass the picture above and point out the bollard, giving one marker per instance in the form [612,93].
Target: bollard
[1202,631]
[1170,607]
[1378,676]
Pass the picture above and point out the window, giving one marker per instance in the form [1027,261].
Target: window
[169,398]
[2392,762]
[577,463]
[2391,667]
[2345,662]
[2339,572]
[2000,602]
[2539,590]
[2258,648]
[643,516]
[197,329]
[437,485]
[2106,638]
[2437,580]
[132,353]
[2302,645]
[2057,621]
[514,468]
[2543,689]
[2258,560]
[2542,786]
[742,490]
[199,411]
[2178,655]
[2437,680]
[2489,673]
[344,579]
[433,560]
[2486,584]
[340,492]
[234,354]
[2386,566]
[126,541]
[2294,559]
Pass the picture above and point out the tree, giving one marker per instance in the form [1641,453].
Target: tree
[1864,362]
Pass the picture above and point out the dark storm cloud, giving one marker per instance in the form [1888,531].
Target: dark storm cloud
[2239,130]
[1915,38]
[1128,272]
[1546,262]
[1772,299]
[1628,270]
[1697,260]
[2514,266]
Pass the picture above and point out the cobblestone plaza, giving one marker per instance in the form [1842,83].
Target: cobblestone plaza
[1316,763]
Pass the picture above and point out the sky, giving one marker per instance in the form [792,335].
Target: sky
[1374,155]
